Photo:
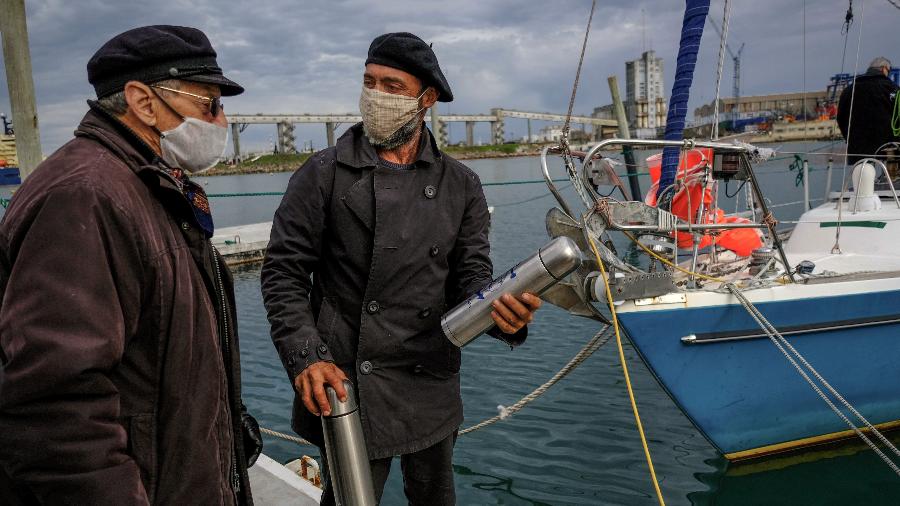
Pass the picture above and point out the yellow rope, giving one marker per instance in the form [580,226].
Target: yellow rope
[637,417]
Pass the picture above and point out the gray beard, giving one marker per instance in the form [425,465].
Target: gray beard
[398,138]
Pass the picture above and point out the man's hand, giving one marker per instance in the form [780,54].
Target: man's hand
[511,313]
[310,384]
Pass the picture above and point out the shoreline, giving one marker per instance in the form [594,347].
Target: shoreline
[271,164]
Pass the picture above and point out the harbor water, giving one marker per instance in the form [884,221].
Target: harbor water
[578,443]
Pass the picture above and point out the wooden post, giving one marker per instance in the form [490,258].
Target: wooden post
[625,134]
[21,85]
[470,133]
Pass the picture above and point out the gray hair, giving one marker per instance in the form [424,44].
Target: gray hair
[879,62]
[117,105]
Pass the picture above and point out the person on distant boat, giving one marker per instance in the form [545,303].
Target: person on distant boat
[873,107]
[117,325]
[374,240]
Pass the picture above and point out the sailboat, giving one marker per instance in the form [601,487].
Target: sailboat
[767,344]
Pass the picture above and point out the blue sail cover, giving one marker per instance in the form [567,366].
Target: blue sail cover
[695,12]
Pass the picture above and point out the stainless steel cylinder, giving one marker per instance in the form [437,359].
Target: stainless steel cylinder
[535,274]
[345,448]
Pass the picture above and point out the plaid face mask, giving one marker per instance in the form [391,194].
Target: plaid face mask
[385,113]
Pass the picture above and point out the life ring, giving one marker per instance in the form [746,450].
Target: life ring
[686,202]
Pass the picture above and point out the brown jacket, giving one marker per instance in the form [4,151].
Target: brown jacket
[122,383]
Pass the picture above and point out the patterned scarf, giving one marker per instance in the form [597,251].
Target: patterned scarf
[197,198]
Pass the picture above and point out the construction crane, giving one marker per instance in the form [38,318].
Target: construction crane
[736,84]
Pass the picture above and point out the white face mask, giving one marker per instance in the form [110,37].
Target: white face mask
[194,145]
[385,113]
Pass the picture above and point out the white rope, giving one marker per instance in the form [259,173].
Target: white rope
[593,345]
[286,437]
[783,345]
[599,339]
[726,15]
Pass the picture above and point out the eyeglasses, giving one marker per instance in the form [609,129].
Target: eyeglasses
[213,103]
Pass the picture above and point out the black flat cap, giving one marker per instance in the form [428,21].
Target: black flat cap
[406,52]
[155,53]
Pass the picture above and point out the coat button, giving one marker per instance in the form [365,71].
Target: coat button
[304,352]
[185,226]
[434,250]
[372,307]
[418,368]
[323,350]
[365,367]
[430,191]
[425,313]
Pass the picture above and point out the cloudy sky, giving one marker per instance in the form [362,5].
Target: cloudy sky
[307,56]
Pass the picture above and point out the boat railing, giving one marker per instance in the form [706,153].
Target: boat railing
[663,221]
[887,175]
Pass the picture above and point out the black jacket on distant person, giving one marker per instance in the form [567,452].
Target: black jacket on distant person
[873,106]
[363,261]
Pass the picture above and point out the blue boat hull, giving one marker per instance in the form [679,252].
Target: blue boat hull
[745,396]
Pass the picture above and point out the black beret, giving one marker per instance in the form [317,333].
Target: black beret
[155,53]
[406,52]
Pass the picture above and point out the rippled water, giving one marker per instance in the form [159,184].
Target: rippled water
[578,443]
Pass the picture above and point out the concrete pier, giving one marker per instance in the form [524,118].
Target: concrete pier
[329,133]
[285,123]
[243,244]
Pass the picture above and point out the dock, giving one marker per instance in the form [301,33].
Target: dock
[246,244]
[243,244]
[273,484]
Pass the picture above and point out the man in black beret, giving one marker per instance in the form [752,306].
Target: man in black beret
[374,240]
[117,325]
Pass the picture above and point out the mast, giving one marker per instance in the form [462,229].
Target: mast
[695,12]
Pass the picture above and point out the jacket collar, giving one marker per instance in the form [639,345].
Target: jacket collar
[106,129]
[873,74]
[355,150]
[103,127]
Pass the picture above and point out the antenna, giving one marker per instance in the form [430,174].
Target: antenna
[643,32]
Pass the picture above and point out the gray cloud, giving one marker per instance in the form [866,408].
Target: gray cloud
[297,57]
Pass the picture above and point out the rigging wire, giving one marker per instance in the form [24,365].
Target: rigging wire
[565,131]
[564,139]
[726,16]
[845,29]
[836,249]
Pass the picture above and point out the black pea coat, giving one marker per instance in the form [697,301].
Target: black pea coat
[363,261]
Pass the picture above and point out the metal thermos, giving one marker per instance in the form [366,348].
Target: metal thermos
[535,274]
[345,448]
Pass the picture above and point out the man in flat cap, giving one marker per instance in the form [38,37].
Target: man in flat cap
[117,324]
[374,240]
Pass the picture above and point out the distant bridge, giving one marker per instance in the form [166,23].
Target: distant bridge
[285,124]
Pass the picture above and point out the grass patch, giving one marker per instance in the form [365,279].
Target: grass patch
[508,148]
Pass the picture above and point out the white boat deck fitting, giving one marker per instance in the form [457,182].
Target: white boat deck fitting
[273,484]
